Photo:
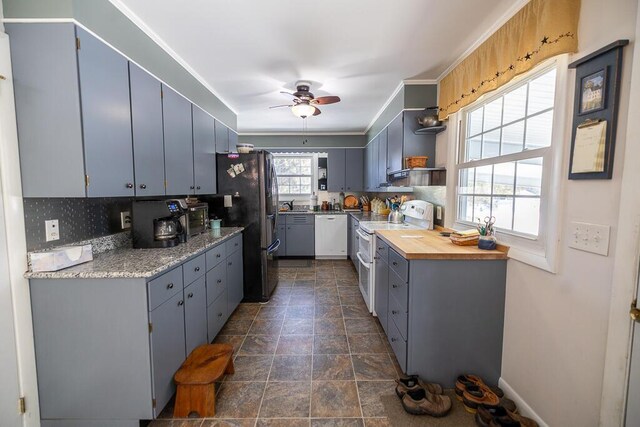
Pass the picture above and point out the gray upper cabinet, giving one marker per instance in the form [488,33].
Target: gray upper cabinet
[106,118]
[233,141]
[222,138]
[178,148]
[148,139]
[382,157]
[47,99]
[354,173]
[204,152]
[336,170]
[395,138]
[373,171]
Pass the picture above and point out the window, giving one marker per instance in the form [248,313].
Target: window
[505,148]
[295,174]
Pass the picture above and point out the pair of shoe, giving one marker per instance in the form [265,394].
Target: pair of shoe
[422,398]
[473,392]
[498,416]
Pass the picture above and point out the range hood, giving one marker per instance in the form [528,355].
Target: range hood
[417,177]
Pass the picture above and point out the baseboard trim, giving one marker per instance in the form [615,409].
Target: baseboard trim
[523,407]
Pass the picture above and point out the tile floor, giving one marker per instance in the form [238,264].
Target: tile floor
[312,356]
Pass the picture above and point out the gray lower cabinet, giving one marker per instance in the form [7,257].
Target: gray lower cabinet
[204,152]
[443,317]
[217,314]
[300,235]
[235,279]
[222,138]
[178,146]
[195,314]
[282,235]
[148,138]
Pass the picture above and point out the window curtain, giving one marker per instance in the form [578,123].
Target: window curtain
[540,30]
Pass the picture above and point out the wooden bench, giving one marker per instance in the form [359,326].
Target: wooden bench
[196,379]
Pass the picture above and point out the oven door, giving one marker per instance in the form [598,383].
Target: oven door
[364,281]
[365,243]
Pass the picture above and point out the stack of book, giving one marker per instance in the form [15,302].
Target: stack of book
[465,237]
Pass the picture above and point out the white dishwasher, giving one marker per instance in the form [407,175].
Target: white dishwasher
[331,236]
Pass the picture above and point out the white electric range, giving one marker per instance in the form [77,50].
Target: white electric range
[418,214]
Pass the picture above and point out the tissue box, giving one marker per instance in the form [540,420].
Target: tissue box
[59,258]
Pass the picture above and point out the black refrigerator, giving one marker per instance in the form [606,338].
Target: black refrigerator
[250,180]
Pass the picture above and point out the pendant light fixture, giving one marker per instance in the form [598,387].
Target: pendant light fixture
[303,110]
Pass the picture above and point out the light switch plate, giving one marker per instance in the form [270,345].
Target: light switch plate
[51,230]
[438,212]
[125,220]
[589,237]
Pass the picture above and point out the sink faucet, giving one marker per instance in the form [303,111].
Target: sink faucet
[289,205]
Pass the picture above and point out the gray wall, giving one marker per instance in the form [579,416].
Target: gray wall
[395,106]
[104,19]
[306,141]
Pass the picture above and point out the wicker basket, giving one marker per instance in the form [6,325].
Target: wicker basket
[465,242]
[416,162]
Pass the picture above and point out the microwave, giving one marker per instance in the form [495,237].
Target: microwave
[197,218]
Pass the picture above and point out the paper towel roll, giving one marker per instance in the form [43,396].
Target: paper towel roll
[227,201]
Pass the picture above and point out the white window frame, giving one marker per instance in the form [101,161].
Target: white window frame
[539,251]
[314,172]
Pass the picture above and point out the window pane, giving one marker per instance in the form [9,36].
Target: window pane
[481,208]
[502,210]
[529,177]
[503,177]
[474,148]
[491,144]
[305,180]
[465,208]
[483,180]
[475,122]
[514,104]
[513,138]
[527,215]
[539,131]
[492,115]
[542,92]
[466,181]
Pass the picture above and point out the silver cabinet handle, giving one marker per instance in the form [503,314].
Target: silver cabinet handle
[394,286]
[198,187]
[219,314]
[219,280]
[170,286]
[217,255]
[197,269]
[191,187]
[190,295]
[129,185]
[143,186]
[394,311]
[394,263]
[393,340]
[180,302]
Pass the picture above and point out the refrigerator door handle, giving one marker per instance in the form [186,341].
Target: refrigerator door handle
[273,247]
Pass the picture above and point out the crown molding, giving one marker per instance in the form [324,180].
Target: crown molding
[384,106]
[301,133]
[415,82]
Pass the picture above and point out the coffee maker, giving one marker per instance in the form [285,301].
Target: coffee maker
[158,223]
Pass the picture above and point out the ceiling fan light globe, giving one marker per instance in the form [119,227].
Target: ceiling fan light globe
[303,110]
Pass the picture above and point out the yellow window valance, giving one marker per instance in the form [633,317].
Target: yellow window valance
[540,30]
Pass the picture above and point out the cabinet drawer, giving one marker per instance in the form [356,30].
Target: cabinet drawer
[216,282]
[399,265]
[382,250]
[216,316]
[305,219]
[164,287]
[215,256]
[234,244]
[399,316]
[193,269]
[399,289]
[399,346]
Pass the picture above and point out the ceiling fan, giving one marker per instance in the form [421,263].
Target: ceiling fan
[304,103]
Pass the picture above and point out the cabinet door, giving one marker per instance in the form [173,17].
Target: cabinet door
[233,141]
[216,315]
[381,302]
[373,171]
[222,138]
[204,152]
[354,173]
[336,170]
[394,144]
[195,315]
[167,347]
[146,122]
[106,118]
[382,157]
[178,147]
[282,235]
[300,240]
[235,281]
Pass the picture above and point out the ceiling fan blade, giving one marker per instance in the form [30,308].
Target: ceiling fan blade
[279,106]
[317,112]
[324,100]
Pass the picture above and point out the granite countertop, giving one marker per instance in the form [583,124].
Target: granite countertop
[312,212]
[138,263]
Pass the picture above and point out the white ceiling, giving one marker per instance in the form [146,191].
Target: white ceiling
[360,50]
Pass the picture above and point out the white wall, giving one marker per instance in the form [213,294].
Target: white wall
[556,324]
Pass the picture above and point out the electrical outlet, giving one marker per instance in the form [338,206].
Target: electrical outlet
[51,230]
[590,237]
[439,212]
[125,220]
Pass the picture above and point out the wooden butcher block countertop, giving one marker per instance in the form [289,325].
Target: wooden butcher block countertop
[429,244]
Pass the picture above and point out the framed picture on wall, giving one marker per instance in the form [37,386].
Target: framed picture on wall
[593,92]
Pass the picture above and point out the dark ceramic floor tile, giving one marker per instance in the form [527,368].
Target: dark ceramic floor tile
[300,312]
[328,311]
[366,343]
[266,326]
[298,327]
[176,423]
[280,299]
[332,367]
[228,423]
[350,311]
[271,311]
[250,368]
[333,291]
[245,311]
[327,300]
[285,282]
[329,327]
[365,325]
[334,399]
[259,344]
[370,393]
[304,284]
[236,327]
[347,282]
[286,399]
[348,291]
[305,275]
[373,367]
[337,422]
[283,422]
[377,422]
[302,299]
[233,340]
[326,282]
[239,399]
[291,368]
[330,344]
[295,344]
